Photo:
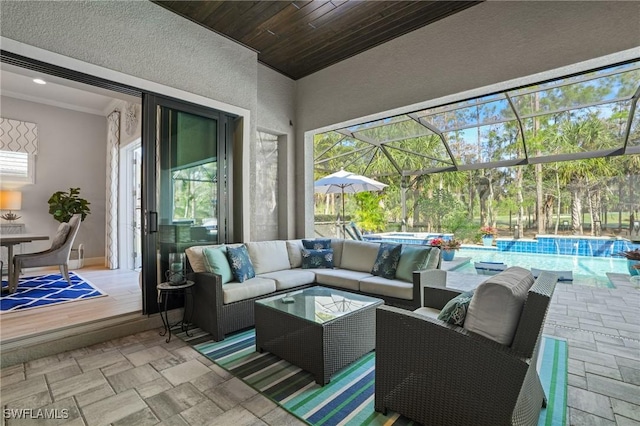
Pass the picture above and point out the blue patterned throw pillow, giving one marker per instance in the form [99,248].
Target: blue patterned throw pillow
[387,260]
[240,263]
[317,259]
[317,244]
[455,311]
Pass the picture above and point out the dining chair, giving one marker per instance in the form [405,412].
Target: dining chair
[56,255]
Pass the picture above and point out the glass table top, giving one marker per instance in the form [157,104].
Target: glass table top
[319,304]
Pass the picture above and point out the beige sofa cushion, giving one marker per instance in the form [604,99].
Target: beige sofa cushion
[342,278]
[496,305]
[290,278]
[254,287]
[386,287]
[294,249]
[268,256]
[336,245]
[359,255]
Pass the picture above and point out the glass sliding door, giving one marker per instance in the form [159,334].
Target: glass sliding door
[184,196]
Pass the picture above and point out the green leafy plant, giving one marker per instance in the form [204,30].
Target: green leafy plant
[451,244]
[63,205]
[436,242]
[369,214]
[489,231]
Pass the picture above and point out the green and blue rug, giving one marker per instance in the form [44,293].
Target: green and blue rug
[348,398]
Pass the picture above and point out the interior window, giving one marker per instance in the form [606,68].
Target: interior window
[17,167]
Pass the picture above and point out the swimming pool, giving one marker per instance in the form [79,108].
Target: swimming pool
[587,270]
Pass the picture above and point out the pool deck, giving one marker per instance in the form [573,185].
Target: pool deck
[602,329]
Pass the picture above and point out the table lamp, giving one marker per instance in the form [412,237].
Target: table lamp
[10,200]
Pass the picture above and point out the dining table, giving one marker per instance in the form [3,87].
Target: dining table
[10,240]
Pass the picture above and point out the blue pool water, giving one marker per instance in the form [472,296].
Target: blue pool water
[587,270]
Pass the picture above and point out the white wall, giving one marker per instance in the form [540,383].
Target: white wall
[71,153]
[276,115]
[486,44]
[141,39]
[141,44]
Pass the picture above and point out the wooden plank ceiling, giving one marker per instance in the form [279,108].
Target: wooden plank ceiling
[301,37]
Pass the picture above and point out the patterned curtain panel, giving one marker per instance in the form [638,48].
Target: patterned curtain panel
[113,160]
[18,136]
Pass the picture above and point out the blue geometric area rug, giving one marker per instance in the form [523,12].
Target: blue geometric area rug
[348,399]
[47,290]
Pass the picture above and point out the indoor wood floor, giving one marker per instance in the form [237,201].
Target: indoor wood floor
[123,297]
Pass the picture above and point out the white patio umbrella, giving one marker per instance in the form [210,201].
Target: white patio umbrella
[344,182]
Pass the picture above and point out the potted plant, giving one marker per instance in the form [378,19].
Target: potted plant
[449,248]
[436,242]
[488,234]
[633,261]
[63,205]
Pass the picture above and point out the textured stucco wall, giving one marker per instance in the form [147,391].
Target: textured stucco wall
[141,39]
[68,146]
[276,115]
[487,44]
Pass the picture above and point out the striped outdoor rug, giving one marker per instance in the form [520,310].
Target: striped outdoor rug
[348,398]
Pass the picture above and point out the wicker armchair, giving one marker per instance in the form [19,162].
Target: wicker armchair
[440,374]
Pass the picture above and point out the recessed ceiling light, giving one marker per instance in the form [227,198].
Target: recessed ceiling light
[39,81]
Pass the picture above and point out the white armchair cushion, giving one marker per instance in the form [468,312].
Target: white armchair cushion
[268,256]
[496,305]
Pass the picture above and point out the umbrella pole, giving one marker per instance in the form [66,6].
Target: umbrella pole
[343,226]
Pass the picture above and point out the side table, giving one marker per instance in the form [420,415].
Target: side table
[165,290]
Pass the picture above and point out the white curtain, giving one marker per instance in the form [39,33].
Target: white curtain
[113,160]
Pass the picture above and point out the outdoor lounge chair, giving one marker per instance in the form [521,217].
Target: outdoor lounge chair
[356,231]
[56,255]
[437,373]
[489,268]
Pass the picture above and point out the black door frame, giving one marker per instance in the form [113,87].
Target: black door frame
[150,128]
[149,295]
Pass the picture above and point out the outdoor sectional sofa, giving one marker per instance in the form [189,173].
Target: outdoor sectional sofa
[222,308]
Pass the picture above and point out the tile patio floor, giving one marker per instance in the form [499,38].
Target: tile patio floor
[141,380]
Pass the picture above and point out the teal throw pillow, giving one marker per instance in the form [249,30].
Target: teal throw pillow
[215,261]
[317,244]
[240,263]
[455,311]
[412,258]
[387,260]
[317,259]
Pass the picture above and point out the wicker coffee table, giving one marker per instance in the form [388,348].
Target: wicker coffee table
[321,330]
